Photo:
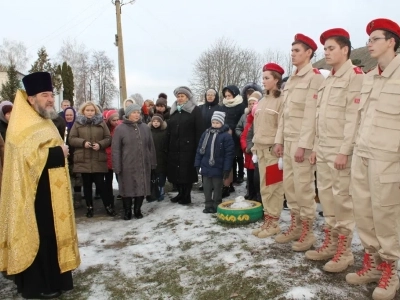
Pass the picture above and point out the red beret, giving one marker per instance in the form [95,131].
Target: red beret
[333,32]
[273,67]
[306,40]
[383,24]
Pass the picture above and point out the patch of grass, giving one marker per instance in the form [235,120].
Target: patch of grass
[127,241]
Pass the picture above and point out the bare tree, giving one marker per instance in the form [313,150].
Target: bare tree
[78,57]
[223,64]
[102,84]
[281,58]
[138,98]
[13,53]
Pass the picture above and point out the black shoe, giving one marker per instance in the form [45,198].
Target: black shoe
[89,212]
[49,295]
[239,180]
[119,197]
[209,210]
[137,205]
[176,199]
[127,204]
[225,192]
[321,213]
[201,188]
[252,197]
[231,188]
[110,211]
[247,196]
[138,214]
[285,207]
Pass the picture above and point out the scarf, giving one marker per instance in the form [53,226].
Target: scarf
[69,124]
[234,102]
[179,106]
[213,131]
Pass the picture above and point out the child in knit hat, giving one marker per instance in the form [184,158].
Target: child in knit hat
[214,157]
[158,130]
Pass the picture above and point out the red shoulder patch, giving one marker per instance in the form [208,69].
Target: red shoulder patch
[316,71]
[358,70]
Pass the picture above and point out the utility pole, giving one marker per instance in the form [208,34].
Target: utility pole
[119,43]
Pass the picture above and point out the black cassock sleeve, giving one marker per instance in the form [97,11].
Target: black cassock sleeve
[55,159]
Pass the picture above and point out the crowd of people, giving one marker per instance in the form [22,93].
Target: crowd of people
[344,126]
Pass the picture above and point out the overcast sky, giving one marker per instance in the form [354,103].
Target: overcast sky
[163,38]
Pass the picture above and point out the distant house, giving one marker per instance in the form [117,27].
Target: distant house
[360,56]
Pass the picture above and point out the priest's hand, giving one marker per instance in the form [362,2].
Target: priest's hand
[65,149]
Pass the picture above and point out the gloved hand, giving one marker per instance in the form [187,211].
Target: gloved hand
[254,158]
[198,170]
[226,174]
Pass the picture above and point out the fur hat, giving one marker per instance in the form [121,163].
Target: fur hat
[131,108]
[183,90]
[163,95]
[157,117]
[255,96]
[37,82]
[161,102]
[218,116]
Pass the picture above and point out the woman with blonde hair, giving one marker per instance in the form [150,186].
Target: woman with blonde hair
[90,137]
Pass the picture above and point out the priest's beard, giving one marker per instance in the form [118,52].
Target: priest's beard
[44,113]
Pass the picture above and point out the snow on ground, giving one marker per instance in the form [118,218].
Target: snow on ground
[178,252]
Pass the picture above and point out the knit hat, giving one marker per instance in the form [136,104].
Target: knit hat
[183,90]
[163,95]
[131,108]
[218,116]
[161,102]
[157,117]
[6,109]
[255,96]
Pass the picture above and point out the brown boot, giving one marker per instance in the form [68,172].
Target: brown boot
[328,248]
[389,282]
[293,233]
[368,273]
[307,238]
[271,229]
[343,257]
[263,226]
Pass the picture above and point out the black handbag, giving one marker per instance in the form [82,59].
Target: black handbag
[154,186]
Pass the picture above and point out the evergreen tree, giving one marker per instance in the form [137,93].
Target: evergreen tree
[43,64]
[9,89]
[68,82]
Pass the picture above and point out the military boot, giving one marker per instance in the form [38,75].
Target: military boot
[258,230]
[293,233]
[328,247]
[307,238]
[343,257]
[369,272]
[389,282]
[271,229]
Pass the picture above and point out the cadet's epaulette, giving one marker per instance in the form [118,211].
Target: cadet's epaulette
[358,70]
[316,71]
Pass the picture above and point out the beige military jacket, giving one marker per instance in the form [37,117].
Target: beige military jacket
[299,110]
[337,106]
[378,135]
[266,120]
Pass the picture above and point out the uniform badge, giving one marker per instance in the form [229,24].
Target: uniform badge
[315,96]
[357,100]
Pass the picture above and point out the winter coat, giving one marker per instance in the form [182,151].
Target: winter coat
[184,132]
[207,110]
[253,86]
[87,160]
[59,122]
[166,114]
[160,143]
[3,121]
[248,162]
[133,158]
[240,125]
[224,150]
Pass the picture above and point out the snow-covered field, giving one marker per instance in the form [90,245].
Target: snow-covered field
[177,252]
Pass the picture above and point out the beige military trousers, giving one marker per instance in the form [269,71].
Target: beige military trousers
[272,195]
[298,182]
[375,189]
[333,191]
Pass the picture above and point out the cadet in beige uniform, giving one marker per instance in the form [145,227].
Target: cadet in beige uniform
[296,132]
[266,120]
[375,169]
[337,105]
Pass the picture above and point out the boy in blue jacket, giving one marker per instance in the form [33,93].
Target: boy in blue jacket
[214,157]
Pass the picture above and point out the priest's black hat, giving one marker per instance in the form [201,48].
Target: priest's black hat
[37,82]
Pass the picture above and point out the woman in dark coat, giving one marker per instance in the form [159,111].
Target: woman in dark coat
[133,160]
[183,135]
[233,106]
[211,101]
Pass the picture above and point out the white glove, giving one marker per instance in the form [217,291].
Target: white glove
[254,158]
[280,163]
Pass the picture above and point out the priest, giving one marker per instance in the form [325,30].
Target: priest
[38,240]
